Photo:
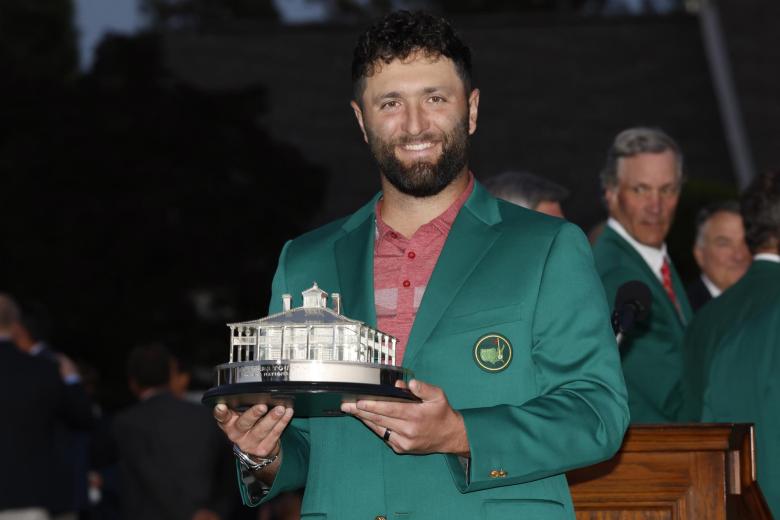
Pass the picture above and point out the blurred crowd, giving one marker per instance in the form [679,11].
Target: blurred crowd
[705,350]
[162,458]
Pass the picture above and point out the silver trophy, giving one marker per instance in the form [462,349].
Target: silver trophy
[311,358]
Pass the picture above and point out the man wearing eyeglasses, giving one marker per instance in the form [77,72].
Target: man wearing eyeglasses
[641,182]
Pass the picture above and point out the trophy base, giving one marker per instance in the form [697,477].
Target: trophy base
[308,399]
[311,388]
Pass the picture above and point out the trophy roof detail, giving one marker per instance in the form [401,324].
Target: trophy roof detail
[314,297]
[314,311]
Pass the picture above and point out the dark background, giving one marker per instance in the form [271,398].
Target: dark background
[147,198]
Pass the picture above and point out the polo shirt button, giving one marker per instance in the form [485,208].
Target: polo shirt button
[407,283]
[411,254]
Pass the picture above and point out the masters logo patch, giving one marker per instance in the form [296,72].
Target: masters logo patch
[492,352]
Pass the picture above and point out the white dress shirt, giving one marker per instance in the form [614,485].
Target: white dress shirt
[769,257]
[713,289]
[653,256]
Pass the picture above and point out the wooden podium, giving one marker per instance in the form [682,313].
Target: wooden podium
[674,472]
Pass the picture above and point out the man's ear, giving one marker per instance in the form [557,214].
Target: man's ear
[359,116]
[473,110]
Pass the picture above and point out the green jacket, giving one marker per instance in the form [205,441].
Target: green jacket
[652,352]
[744,386]
[759,288]
[559,404]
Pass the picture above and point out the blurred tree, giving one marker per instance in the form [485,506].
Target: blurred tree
[140,208]
[196,13]
[374,8]
[37,43]
[471,6]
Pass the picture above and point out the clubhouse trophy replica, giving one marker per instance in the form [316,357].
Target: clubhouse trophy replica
[311,358]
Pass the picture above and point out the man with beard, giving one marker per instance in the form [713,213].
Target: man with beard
[642,181]
[452,272]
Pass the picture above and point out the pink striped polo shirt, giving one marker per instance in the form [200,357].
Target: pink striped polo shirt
[403,266]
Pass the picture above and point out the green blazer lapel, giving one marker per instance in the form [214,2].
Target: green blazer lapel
[620,242]
[469,240]
[355,264]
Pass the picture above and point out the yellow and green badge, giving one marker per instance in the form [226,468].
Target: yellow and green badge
[493,352]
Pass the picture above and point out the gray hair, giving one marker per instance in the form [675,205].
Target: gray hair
[635,141]
[9,312]
[525,189]
[710,210]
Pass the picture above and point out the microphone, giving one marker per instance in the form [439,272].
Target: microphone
[632,305]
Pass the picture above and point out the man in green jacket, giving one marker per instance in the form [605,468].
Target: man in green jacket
[754,292]
[497,310]
[743,386]
[642,181]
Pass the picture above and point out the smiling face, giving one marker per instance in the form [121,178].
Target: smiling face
[645,196]
[721,251]
[416,117]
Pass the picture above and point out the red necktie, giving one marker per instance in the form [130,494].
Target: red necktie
[666,275]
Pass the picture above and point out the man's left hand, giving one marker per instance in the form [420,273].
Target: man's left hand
[430,426]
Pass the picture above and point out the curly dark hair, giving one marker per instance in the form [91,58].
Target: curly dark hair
[760,208]
[401,34]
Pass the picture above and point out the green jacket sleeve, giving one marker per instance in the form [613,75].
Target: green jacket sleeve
[581,412]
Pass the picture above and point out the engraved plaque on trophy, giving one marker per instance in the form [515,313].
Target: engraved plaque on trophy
[311,358]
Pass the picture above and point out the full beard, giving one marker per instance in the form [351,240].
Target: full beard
[423,178]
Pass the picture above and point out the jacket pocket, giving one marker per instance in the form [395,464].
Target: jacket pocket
[479,319]
[525,509]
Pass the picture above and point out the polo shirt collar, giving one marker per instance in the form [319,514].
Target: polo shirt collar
[442,223]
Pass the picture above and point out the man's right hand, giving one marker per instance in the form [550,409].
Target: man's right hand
[256,431]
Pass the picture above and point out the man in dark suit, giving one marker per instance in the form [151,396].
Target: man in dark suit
[758,289]
[719,250]
[642,181]
[174,462]
[71,460]
[33,399]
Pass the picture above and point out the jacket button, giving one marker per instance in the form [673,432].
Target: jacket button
[494,473]
[380,517]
